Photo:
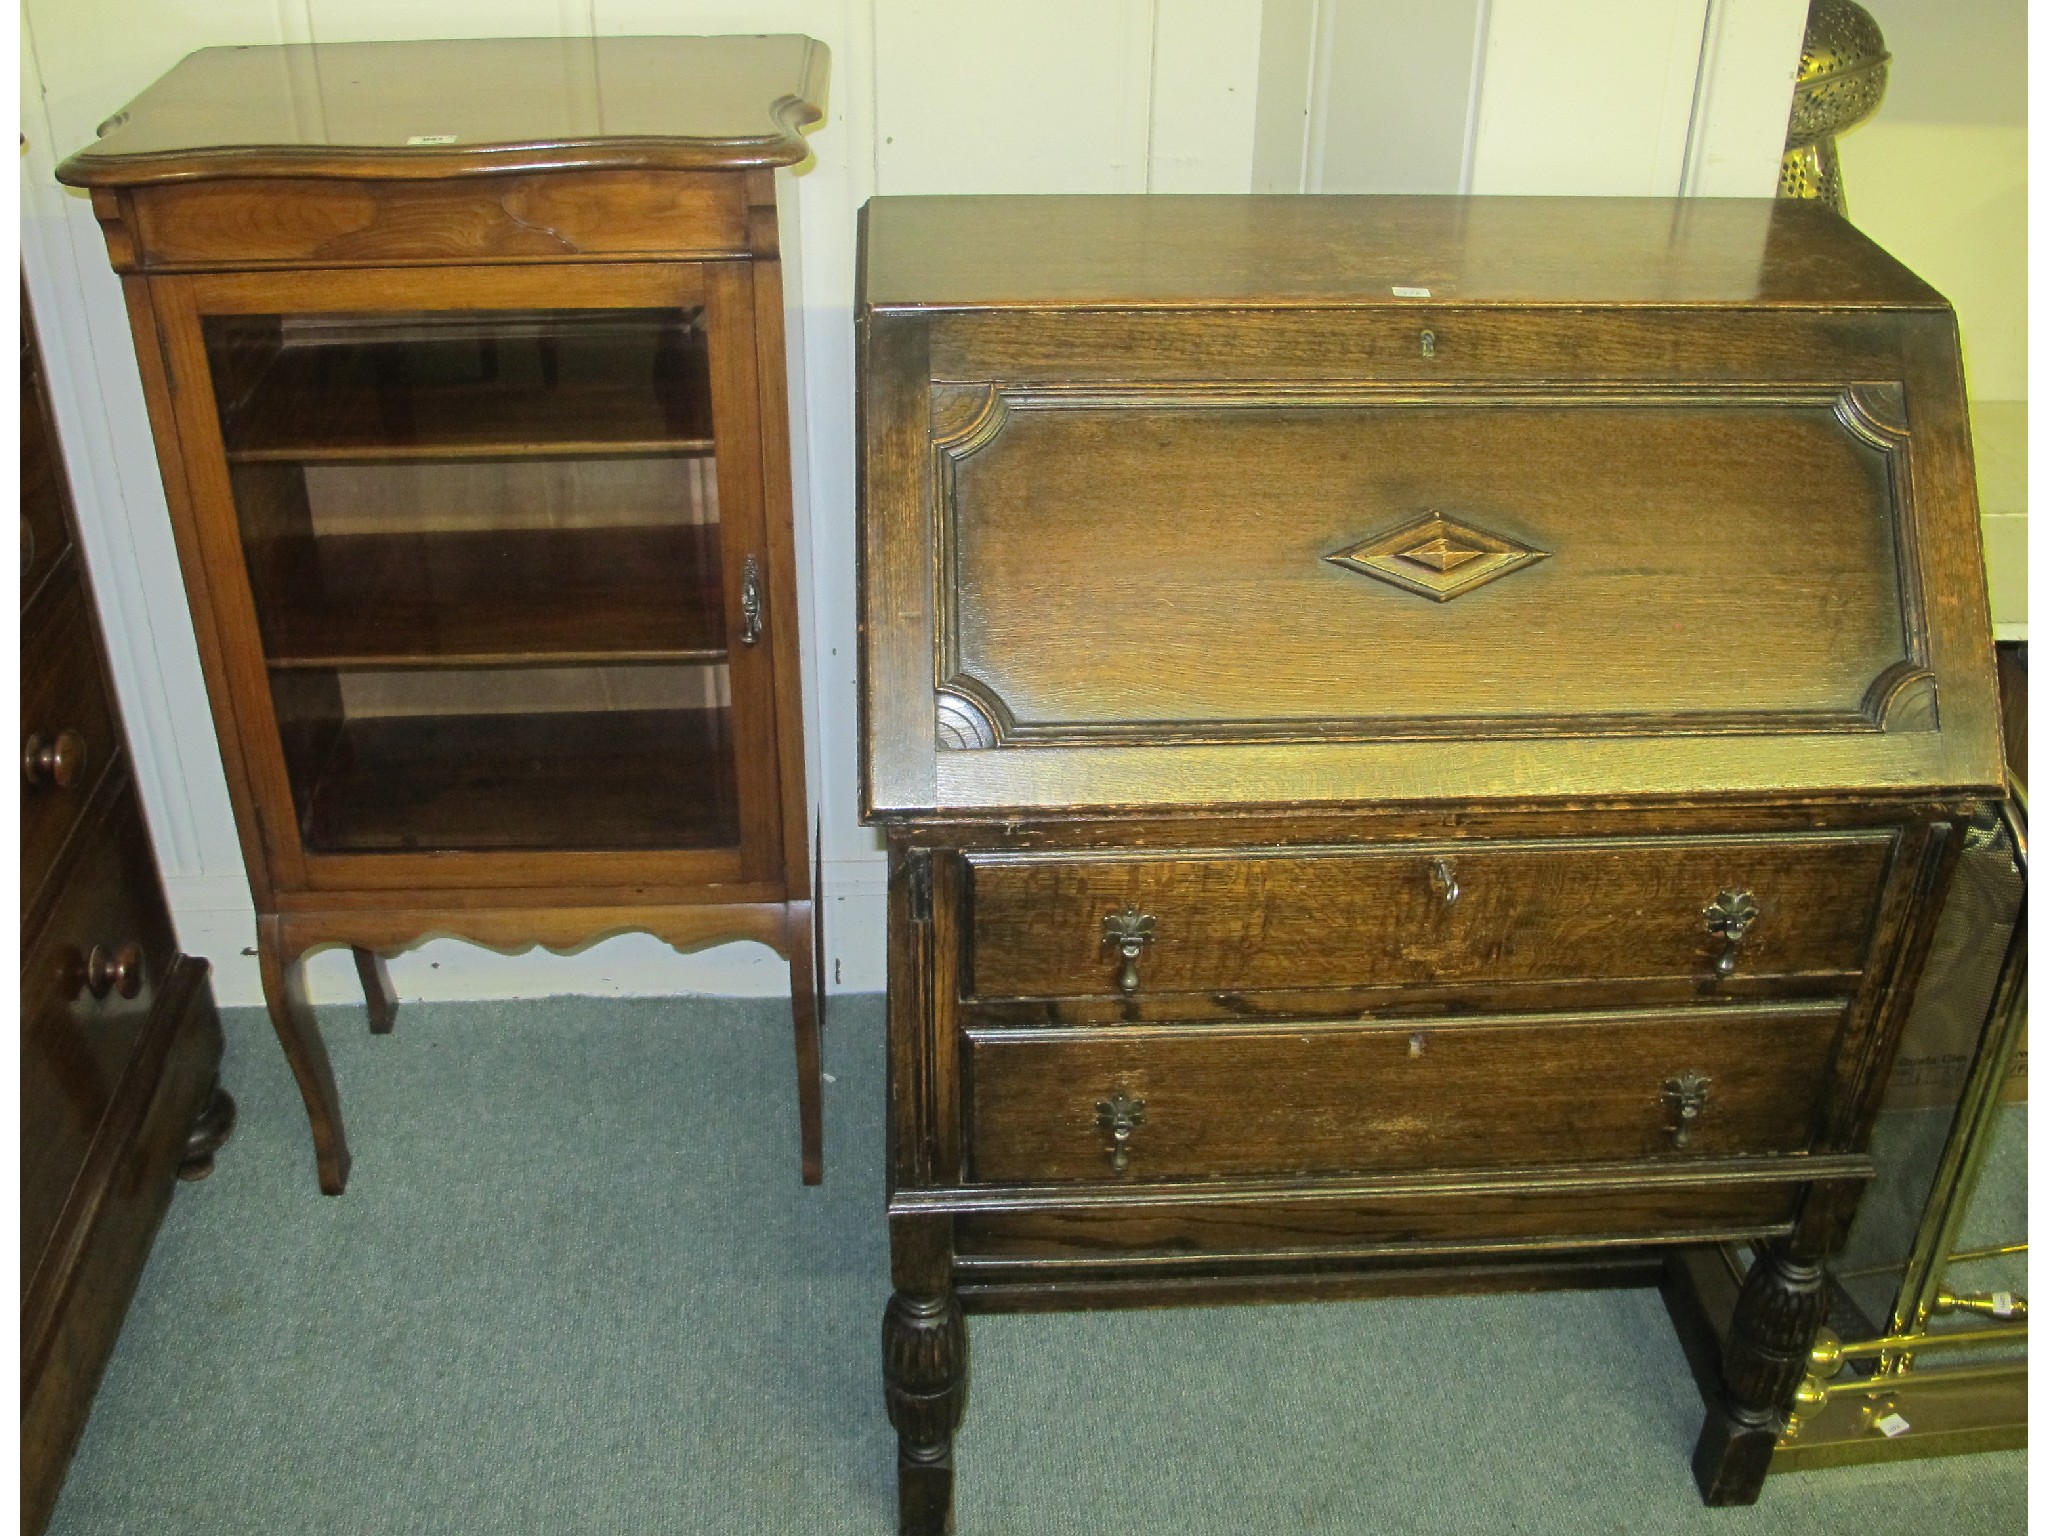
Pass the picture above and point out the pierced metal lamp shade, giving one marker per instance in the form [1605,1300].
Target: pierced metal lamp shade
[1843,67]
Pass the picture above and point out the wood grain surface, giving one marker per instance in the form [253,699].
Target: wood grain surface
[1543,911]
[1320,1098]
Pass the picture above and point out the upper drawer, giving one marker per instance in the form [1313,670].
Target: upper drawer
[286,221]
[45,530]
[1629,908]
[69,735]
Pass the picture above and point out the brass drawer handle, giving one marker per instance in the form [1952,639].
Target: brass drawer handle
[1729,916]
[1129,931]
[750,601]
[1445,879]
[1688,1095]
[48,763]
[1120,1117]
[119,972]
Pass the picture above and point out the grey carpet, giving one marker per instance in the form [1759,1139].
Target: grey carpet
[575,1286]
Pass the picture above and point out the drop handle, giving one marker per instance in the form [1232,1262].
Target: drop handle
[1128,932]
[1120,1117]
[1729,917]
[118,971]
[52,762]
[1686,1093]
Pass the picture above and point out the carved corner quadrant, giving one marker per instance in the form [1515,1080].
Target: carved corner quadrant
[1875,412]
[963,724]
[1436,556]
[1904,697]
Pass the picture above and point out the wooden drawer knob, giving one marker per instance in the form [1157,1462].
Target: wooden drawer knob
[52,762]
[119,972]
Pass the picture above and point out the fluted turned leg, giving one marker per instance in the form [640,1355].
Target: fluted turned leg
[924,1373]
[1782,1304]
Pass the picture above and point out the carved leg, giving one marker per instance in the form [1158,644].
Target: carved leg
[214,1124]
[377,990]
[1781,1305]
[284,991]
[924,1374]
[803,935]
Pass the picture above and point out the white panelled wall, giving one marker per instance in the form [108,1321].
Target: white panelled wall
[927,96]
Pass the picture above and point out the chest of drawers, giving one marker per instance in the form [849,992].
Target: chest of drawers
[1420,741]
[120,1042]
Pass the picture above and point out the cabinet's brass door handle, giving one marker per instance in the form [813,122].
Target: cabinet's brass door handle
[1129,931]
[750,601]
[1120,1117]
[1729,916]
[1687,1094]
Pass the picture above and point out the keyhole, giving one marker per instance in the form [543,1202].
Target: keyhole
[1415,1045]
[1429,343]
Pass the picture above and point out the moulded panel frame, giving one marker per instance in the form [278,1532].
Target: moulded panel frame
[914,354]
[223,597]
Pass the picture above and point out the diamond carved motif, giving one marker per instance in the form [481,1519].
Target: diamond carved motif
[1437,556]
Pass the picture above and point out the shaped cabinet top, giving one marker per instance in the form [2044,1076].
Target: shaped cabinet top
[435,109]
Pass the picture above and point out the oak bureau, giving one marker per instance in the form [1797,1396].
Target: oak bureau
[1420,739]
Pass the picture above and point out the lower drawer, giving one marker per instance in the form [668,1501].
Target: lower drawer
[1168,1102]
[79,1030]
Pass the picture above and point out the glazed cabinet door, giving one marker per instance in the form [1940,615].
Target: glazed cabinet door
[484,553]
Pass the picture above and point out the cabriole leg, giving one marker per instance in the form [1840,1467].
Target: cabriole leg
[284,992]
[377,990]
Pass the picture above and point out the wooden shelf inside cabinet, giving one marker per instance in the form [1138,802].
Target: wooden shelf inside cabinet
[481,490]
[500,597]
[439,387]
[601,779]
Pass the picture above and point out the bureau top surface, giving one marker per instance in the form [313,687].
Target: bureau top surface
[1235,251]
[429,109]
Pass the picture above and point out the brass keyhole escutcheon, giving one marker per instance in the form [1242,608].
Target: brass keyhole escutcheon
[1687,1094]
[1429,343]
[1445,878]
[1120,1117]
[1729,916]
[1128,932]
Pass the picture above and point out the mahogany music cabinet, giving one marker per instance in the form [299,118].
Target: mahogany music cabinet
[1421,741]
[465,364]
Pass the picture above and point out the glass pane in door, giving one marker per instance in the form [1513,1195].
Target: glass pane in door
[484,552]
